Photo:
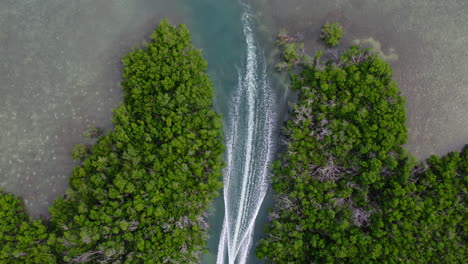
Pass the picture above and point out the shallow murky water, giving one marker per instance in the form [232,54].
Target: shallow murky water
[426,42]
[59,74]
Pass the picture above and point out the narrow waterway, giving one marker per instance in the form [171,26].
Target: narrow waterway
[248,101]
[249,151]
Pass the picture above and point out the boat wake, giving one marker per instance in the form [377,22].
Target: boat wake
[249,148]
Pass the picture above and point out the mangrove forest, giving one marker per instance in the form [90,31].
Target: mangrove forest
[346,189]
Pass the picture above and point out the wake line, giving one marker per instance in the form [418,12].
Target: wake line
[249,149]
[250,80]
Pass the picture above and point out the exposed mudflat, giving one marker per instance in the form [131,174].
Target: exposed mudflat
[59,74]
[426,42]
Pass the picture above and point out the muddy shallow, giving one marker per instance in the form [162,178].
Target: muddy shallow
[59,74]
[426,41]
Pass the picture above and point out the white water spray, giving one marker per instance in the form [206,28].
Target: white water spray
[249,149]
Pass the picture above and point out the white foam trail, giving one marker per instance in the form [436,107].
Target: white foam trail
[250,83]
[230,167]
[245,249]
[249,149]
[222,244]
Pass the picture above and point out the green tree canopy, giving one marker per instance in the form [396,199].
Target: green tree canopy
[331,34]
[347,192]
[22,240]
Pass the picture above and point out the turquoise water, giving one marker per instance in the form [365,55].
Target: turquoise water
[245,96]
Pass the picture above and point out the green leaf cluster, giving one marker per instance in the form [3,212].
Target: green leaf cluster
[80,152]
[141,192]
[347,192]
[331,34]
[22,240]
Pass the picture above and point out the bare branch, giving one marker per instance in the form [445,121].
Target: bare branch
[330,172]
[86,256]
[360,217]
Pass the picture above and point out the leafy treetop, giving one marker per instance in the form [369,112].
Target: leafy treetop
[331,34]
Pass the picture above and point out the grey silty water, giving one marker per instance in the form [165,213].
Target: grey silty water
[59,74]
[424,40]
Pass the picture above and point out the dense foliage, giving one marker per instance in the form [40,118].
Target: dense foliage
[347,192]
[331,34]
[142,189]
[21,239]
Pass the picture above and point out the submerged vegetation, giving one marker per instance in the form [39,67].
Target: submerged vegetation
[142,189]
[331,34]
[347,191]
[292,51]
